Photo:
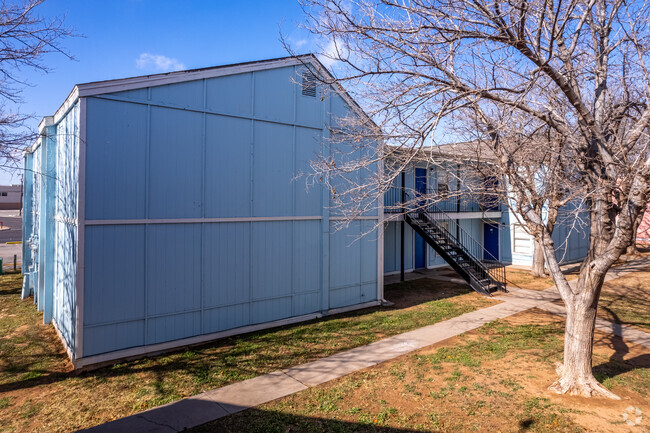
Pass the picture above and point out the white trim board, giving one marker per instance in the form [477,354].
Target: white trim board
[358,218]
[199,220]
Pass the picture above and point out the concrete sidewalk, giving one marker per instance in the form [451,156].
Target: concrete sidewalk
[217,403]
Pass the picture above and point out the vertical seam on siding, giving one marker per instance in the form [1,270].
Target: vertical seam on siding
[203,172]
[325,221]
[145,237]
[293,192]
[81,231]
[251,202]
[293,223]
[380,230]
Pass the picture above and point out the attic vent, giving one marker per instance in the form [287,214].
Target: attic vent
[308,84]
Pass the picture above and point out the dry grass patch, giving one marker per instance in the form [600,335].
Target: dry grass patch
[626,300]
[38,392]
[492,379]
[524,279]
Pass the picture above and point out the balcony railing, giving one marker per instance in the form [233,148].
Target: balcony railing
[395,203]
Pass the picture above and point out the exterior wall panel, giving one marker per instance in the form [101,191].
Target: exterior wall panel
[220,148]
[64,224]
[115,278]
[226,264]
[273,170]
[115,159]
[173,268]
[230,95]
[275,95]
[227,186]
[175,161]
[271,278]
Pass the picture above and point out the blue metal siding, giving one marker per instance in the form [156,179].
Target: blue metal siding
[227,147]
[275,95]
[173,275]
[308,193]
[66,225]
[571,236]
[273,170]
[27,223]
[50,233]
[228,188]
[230,95]
[116,159]
[175,161]
[114,263]
[271,278]
[182,95]
[351,276]
[226,261]
[114,336]
[392,234]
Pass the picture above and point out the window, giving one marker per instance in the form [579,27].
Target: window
[443,179]
[521,240]
[4,194]
[309,84]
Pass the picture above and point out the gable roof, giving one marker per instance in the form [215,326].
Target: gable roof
[143,81]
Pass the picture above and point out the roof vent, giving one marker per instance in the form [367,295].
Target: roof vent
[308,84]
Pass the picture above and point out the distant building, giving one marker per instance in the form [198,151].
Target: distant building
[10,196]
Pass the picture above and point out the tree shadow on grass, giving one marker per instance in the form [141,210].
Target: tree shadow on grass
[226,353]
[618,363]
[615,367]
[410,293]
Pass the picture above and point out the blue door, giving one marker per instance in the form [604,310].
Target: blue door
[420,245]
[490,241]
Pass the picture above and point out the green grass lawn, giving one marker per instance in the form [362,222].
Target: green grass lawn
[39,392]
[493,379]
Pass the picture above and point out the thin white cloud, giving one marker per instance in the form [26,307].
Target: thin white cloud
[298,44]
[330,53]
[158,62]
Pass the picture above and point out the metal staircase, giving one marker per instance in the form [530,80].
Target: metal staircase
[484,273]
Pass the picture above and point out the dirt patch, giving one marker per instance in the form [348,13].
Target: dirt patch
[16,332]
[493,379]
[626,300]
[38,392]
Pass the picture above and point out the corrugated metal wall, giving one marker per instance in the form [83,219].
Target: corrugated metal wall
[65,222]
[50,232]
[176,179]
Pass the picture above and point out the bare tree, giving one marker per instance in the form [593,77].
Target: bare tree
[25,38]
[550,97]
[632,249]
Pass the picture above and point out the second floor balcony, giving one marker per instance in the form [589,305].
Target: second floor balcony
[471,205]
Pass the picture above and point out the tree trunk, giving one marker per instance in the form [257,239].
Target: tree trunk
[538,260]
[575,374]
[631,249]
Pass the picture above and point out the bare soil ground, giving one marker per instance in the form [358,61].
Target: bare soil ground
[40,392]
[626,300]
[494,379]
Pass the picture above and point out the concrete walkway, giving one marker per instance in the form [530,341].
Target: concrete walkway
[211,405]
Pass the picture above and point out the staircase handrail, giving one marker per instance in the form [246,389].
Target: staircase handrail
[436,214]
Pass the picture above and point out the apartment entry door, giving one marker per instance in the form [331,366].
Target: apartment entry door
[490,241]
[420,245]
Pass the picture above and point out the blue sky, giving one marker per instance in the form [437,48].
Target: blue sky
[124,38]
